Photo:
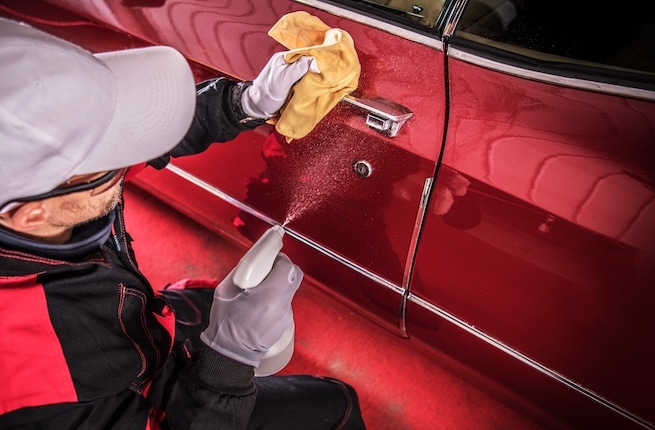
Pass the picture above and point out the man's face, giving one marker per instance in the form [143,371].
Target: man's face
[71,210]
[51,216]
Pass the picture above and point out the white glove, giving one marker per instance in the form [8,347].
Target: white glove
[270,89]
[244,324]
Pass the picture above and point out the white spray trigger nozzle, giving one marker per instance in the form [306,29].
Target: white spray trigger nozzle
[257,263]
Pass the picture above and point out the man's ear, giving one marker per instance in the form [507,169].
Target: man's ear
[27,218]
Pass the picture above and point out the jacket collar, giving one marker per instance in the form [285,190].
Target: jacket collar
[85,239]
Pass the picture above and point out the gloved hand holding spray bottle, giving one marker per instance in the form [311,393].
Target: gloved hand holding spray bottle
[251,320]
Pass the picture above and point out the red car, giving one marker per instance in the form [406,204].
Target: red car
[489,187]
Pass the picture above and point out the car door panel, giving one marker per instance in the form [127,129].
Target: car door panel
[540,234]
[366,223]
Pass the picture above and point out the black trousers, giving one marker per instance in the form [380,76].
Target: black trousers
[285,402]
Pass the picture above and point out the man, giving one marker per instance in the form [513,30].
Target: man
[85,341]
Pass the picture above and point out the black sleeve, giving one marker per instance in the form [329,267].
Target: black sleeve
[215,392]
[218,118]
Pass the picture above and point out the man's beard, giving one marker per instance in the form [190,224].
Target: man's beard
[111,205]
[108,207]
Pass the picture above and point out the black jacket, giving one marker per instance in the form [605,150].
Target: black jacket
[85,341]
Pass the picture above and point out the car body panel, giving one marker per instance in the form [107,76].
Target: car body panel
[310,185]
[555,255]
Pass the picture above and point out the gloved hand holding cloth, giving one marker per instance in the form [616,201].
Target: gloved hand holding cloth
[270,89]
[330,57]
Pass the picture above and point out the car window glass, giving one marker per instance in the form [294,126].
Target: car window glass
[423,13]
[613,34]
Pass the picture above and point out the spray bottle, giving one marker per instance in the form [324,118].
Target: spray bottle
[251,270]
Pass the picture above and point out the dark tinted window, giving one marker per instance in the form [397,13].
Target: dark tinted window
[617,34]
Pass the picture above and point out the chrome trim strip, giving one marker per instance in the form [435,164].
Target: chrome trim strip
[413,249]
[550,78]
[530,362]
[303,239]
[453,19]
[367,20]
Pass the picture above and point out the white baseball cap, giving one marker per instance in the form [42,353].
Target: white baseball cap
[65,111]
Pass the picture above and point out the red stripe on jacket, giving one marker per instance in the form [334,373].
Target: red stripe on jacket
[32,364]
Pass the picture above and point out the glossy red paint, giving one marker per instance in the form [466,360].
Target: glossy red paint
[541,228]
[310,184]
[538,243]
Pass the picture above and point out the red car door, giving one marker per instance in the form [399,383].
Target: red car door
[540,237]
[351,192]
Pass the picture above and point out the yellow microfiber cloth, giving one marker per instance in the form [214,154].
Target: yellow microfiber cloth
[315,94]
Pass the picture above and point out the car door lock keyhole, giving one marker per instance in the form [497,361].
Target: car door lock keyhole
[363,168]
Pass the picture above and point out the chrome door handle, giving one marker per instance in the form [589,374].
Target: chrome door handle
[385,116]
